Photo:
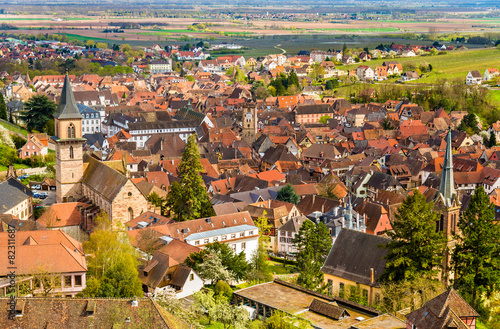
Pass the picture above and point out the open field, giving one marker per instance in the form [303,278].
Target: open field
[453,65]
[265,26]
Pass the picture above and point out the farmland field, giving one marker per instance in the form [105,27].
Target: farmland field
[385,29]
[453,65]
[85,38]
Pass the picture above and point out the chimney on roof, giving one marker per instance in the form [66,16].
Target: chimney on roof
[372,275]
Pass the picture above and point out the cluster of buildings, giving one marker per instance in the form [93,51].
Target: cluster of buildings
[475,78]
[119,139]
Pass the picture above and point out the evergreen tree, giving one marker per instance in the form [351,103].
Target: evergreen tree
[287,194]
[188,199]
[293,80]
[39,110]
[313,244]
[415,249]
[493,140]
[476,257]
[3,108]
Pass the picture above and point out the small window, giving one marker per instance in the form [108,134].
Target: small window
[250,233]
[243,245]
[242,234]
[71,153]
[67,281]
[78,280]
[197,243]
[216,239]
[206,241]
[233,236]
[191,277]
[233,246]
[224,237]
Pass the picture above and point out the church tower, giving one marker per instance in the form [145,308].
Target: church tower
[249,123]
[447,203]
[69,146]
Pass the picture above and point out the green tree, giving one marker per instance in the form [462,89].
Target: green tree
[386,124]
[313,244]
[287,194]
[259,267]
[212,269]
[112,268]
[235,263]
[293,79]
[415,249]
[158,201]
[3,108]
[408,294]
[469,124]
[222,288]
[492,140]
[38,111]
[281,320]
[188,199]
[476,257]
[219,309]
[324,119]
[230,315]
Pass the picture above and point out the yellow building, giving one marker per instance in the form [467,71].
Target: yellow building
[354,265]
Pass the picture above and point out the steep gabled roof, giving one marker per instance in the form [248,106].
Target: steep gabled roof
[105,180]
[354,254]
[67,108]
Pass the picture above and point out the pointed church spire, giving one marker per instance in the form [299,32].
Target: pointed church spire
[447,186]
[67,108]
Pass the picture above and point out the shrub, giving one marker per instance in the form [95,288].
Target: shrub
[222,288]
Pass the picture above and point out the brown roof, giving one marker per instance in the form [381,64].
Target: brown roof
[103,179]
[443,311]
[182,230]
[71,313]
[61,215]
[178,250]
[329,310]
[35,251]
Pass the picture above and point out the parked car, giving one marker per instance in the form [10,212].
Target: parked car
[38,187]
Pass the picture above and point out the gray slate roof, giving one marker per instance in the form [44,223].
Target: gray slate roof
[353,255]
[12,192]
[103,179]
[67,108]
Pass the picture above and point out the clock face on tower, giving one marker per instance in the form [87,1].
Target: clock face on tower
[249,116]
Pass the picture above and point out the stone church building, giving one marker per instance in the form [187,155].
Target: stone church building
[92,182]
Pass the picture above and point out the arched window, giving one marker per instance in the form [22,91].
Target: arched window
[130,214]
[71,154]
[71,131]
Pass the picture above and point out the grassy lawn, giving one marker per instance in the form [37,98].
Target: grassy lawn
[278,268]
[16,166]
[13,128]
[454,64]
[495,96]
